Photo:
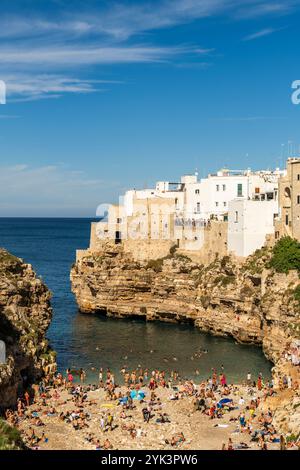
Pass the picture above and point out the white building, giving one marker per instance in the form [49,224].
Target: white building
[181,210]
[249,221]
[210,196]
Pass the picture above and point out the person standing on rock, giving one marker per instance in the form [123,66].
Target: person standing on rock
[223,380]
[249,378]
[27,397]
[282,443]
[259,383]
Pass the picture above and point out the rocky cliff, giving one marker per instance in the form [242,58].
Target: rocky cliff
[25,314]
[249,301]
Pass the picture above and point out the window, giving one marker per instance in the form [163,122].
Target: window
[118,237]
[257,190]
[236,217]
[298,199]
[198,206]
[217,187]
[197,191]
[240,190]
[217,204]
[286,219]
[298,177]
[224,204]
[224,187]
[119,220]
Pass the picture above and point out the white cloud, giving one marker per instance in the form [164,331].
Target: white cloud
[104,33]
[256,8]
[30,87]
[64,57]
[33,84]
[250,118]
[28,189]
[260,34]
[122,20]
[8,116]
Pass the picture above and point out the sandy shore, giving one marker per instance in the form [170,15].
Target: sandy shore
[199,430]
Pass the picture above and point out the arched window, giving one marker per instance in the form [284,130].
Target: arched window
[287,192]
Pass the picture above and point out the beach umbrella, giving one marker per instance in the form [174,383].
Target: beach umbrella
[224,401]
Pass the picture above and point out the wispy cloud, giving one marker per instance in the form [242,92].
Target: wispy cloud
[28,189]
[33,84]
[91,34]
[260,34]
[30,87]
[77,56]
[249,118]
[8,116]
[256,9]
[122,20]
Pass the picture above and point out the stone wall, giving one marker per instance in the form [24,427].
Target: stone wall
[211,241]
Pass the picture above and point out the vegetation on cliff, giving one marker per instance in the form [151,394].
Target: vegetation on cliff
[286,255]
[157,264]
[10,438]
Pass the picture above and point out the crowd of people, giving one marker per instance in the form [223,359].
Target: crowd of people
[131,408]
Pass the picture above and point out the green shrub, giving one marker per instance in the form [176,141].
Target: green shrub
[286,255]
[296,294]
[255,262]
[246,291]
[291,438]
[224,261]
[182,257]
[10,438]
[224,280]
[205,300]
[173,249]
[155,264]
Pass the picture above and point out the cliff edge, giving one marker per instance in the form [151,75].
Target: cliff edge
[25,314]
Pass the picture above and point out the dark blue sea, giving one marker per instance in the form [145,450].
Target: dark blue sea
[92,341]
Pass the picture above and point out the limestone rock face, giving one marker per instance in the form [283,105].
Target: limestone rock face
[25,314]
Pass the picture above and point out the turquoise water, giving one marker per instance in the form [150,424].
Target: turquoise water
[92,341]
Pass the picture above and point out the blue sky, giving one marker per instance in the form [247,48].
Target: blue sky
[107,95]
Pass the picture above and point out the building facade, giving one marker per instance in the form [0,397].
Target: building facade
[249,222]
[288,222]
[182,212]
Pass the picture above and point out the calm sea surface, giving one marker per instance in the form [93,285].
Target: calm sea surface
[91,341]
